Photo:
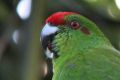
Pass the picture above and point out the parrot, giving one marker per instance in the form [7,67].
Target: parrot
[78,48]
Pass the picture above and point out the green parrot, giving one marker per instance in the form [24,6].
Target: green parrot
[78,49]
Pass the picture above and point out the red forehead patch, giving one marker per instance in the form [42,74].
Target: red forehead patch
[58,18]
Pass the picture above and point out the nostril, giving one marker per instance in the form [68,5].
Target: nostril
[51,24]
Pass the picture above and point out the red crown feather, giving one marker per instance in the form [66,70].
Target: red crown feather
[58,18]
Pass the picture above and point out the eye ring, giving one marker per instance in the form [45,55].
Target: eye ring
[74,24]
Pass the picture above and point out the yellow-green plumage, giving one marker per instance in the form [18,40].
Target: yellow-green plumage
[84,56]
[95,64]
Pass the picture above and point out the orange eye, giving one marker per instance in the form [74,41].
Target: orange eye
[75,25]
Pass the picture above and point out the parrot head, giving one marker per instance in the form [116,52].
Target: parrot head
[68,31]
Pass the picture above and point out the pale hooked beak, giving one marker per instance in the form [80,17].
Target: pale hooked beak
[47,36]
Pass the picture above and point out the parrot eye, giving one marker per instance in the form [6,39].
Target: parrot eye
[75,25]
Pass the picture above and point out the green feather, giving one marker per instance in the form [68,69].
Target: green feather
[84,57]
[95,64]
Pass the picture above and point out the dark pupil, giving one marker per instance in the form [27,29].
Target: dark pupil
[75,25]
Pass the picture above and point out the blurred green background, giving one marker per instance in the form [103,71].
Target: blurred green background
[21,54]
